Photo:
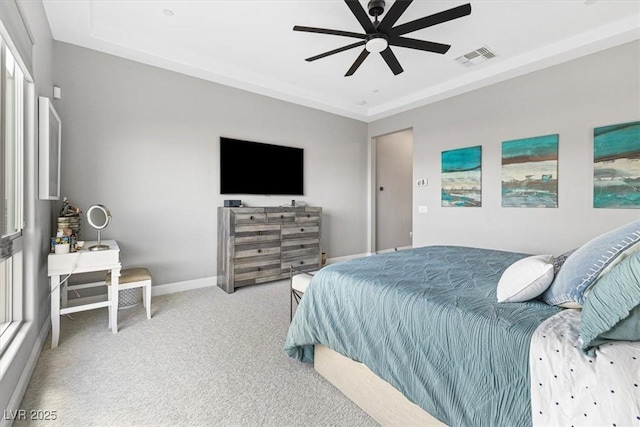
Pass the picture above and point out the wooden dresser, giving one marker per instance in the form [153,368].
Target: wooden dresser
[257,245]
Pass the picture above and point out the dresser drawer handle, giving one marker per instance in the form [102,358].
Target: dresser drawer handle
[301,246]
[259,251]
[259,268]
[281,216]
[302,229]
[251,218]
[301,262]
[259,233]
[308,216]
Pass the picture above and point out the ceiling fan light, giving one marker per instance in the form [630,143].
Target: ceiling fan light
[376,44]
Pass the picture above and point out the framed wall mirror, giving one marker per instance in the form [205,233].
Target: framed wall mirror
[50,142]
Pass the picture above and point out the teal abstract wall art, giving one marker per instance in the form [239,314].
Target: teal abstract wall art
[462,177]
[616,166]
[530,172]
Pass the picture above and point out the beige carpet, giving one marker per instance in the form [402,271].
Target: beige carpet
[205,358]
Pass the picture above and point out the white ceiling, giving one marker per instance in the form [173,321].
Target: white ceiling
[251,45]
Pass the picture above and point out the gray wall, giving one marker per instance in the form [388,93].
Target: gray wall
[569,99]
[37,218]
[144,142]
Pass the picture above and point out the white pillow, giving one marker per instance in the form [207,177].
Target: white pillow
[526,279]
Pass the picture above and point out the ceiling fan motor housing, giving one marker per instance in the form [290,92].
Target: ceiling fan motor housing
[376,7]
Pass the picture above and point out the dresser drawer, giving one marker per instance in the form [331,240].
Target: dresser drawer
[257,233]
[281,217]
[255,269]
[256,280]
[250,218]
[301,263]
[297,247]
[300,231]
[308,216]
[257,250]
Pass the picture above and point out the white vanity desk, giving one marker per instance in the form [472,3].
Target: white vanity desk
[83,261]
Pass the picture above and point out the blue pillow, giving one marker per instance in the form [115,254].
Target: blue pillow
[589,262]
[611,310]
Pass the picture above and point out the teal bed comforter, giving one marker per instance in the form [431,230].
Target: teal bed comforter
[427,321]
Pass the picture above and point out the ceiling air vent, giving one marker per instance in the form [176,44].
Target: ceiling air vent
[476,57]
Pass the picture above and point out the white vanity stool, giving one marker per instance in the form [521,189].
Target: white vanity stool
[135,278]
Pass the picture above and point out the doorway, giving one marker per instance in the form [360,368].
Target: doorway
[394,191]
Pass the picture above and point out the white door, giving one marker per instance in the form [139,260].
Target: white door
[394,179]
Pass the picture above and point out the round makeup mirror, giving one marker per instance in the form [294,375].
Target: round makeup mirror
[99,217]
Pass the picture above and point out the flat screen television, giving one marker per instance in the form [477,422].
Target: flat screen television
[256,168]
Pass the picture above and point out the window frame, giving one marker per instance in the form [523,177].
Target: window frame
[11,237]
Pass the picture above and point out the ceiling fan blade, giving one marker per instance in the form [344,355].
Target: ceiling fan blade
[428,21]
[419,44]
[391,61]
[331,52]
[359,60]
[331,32]
[361,16]
[393,14]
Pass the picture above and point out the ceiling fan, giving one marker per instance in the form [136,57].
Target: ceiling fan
[379,36]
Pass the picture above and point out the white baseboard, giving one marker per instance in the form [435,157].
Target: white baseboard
[23,382]
[187,285]
[384,251]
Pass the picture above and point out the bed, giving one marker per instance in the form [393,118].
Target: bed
[426,324]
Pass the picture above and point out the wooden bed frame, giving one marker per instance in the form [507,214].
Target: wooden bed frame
[383,402]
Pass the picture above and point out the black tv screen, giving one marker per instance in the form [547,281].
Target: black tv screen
[256,168]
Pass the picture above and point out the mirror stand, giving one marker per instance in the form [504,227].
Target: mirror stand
[99,246]
[99,218]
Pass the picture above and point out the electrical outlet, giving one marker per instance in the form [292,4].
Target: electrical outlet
[422,182]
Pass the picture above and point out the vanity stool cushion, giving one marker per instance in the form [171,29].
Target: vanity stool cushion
[300,282]
[131,275]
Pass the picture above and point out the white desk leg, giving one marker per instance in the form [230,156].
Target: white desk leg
[55,310]
[64,293]
[113,296]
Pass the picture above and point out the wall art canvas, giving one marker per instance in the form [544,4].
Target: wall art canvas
[616,166]
[461,177]
[530,172]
